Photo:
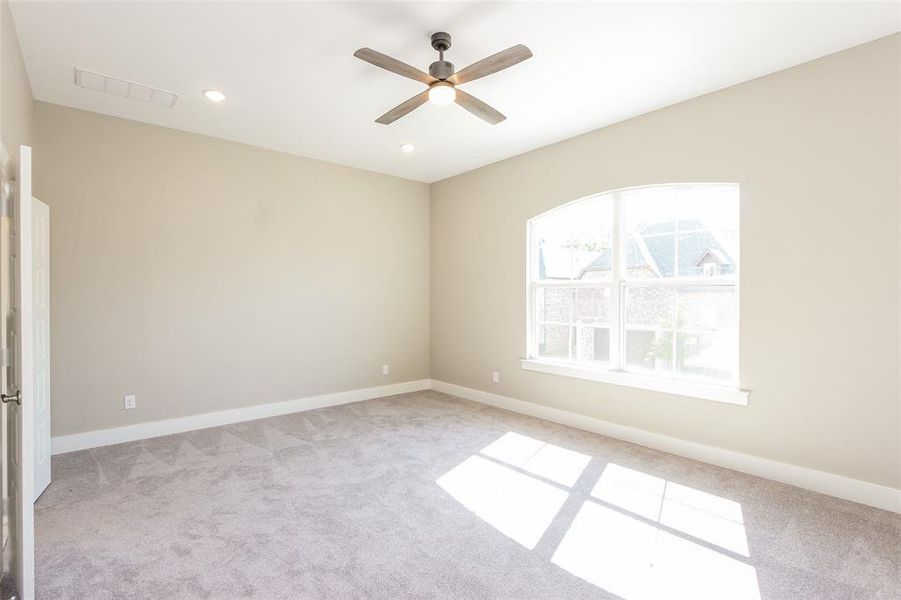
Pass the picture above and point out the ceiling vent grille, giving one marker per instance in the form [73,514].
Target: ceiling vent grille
[123,88]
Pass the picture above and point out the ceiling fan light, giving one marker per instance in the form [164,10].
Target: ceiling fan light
[442,94]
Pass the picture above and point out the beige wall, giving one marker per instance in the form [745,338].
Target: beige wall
[16,102]
[203,275]
[816,151]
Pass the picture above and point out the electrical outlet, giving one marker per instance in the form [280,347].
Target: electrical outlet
[386,369]
[129,402]
[495,377]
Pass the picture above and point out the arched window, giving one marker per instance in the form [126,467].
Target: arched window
[641,282]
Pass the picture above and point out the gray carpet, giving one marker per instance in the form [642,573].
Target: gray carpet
[428,496]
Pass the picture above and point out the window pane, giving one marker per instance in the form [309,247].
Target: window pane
[553,341]
[651,307]
[707,336]
[649,232]
[592,306]
[574,242]
[551,240]
[657,254]
[711,308]
[592,229]
[700,255]
[680,231]
[707,356]
[592,344]
[554,304]
[649,328]
[649,350]
[711,213]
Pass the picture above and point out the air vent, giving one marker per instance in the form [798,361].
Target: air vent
[114,86]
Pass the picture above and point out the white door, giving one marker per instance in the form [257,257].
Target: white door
[40,272]
[20,418]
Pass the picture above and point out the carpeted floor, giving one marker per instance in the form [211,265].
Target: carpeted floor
[428,496]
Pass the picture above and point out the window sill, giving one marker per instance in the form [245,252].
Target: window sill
[669,386]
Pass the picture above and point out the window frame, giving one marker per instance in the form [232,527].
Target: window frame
[615,371]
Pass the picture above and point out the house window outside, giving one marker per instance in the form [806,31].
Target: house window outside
[711,269]
[642,280]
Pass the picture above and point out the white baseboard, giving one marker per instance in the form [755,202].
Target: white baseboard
[141,431]
[846,488]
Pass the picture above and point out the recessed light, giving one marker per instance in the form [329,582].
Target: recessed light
[407,148]
[213,95]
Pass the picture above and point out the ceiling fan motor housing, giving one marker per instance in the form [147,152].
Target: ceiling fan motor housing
[441,69]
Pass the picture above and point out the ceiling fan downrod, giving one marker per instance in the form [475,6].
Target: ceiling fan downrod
[441,69]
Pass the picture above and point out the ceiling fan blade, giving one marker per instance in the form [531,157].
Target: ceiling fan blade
[392,64]
[403,108]
[492,64]
[478,108]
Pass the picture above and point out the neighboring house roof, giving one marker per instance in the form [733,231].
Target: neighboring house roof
[651,249]
[715,256]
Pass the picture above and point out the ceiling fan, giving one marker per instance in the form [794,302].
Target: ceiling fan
[443,81]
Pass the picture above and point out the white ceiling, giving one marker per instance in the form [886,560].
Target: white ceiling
[294,86]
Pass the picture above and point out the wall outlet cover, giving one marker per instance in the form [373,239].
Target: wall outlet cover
[386,369]
[129,402]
